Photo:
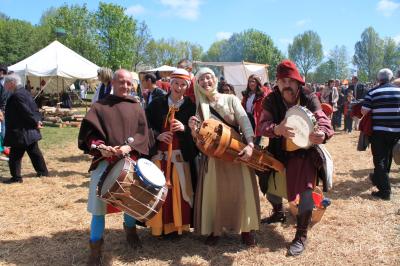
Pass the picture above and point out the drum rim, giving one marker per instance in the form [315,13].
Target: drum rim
[124,172]
[310,123]
[145,179]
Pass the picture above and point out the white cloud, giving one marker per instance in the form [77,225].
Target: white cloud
[397,39]
[302,22]
[387,7]
[186,9]
[223,35]
[135,10]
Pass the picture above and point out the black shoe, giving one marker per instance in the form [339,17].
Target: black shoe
[13,180]
[380,194]
[276,217]
[42,174]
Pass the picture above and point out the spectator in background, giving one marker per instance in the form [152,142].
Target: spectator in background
[221,83]
[358,90]
[188,66]
[105,76]
[28,86]
[66,101]
[337,107]
[330,96]
[150,84]
[83,86]
[22,129]
[348,120]
[228,89]
[307,88]
[383,102]
[252,100]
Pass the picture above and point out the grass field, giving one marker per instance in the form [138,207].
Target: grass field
[44,220]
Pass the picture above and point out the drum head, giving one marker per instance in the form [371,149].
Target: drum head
[150,172]
[300,119]
[112,176]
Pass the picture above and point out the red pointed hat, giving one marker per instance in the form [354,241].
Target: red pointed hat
[287,69]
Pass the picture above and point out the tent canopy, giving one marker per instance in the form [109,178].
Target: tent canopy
[163,68]
[56,60]
[57,65]
[237,73]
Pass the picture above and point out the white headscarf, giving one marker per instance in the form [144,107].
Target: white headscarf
[201,94]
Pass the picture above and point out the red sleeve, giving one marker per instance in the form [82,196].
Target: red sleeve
[266,125]
[324,124]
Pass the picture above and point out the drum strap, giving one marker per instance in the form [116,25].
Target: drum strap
[214,112]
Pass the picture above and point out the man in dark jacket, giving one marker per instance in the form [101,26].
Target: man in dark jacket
[149,83]
[22,129]
[359,92]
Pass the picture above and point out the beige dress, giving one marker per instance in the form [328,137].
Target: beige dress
[227,194]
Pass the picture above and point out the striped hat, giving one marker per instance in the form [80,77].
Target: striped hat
[181,73]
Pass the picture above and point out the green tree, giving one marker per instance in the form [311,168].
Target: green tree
[391,54]
[17,40]
[143,38]
[306,51]
[369,54]
[214,52]
[170,51]
[323,72]
[189,50]
[250,45]
[338,57]
[116,35]
[79,25]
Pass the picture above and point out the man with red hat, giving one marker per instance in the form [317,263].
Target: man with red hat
[302,164]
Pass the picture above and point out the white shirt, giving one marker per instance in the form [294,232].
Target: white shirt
[249,103]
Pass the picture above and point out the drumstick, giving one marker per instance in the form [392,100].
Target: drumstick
[97,147]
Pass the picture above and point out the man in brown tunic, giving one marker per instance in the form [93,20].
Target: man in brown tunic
[301,165]
[111,124]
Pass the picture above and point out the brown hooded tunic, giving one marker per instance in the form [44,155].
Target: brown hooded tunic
[112,121]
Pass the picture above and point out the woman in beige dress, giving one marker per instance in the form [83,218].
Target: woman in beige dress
[227,194]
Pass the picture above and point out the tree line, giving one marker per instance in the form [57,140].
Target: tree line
[109,37]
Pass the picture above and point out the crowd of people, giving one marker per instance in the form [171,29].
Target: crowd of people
[208,194]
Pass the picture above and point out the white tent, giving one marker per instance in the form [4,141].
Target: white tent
[163,68]
[55,63]
[237,73]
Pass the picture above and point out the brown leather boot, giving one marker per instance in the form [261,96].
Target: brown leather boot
[277,216]
[132,238]
[96,254]
[299,242]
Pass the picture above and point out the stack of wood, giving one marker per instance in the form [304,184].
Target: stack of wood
[61,117]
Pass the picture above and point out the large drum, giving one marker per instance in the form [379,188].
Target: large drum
[303,122]
[218,140]
[137,188]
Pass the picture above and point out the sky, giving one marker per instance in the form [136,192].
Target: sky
[337,22]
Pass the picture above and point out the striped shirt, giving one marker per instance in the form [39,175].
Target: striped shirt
[384,101]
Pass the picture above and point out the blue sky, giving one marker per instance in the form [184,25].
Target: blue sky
[338,22]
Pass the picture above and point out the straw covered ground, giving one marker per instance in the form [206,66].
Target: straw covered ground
[44,220]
